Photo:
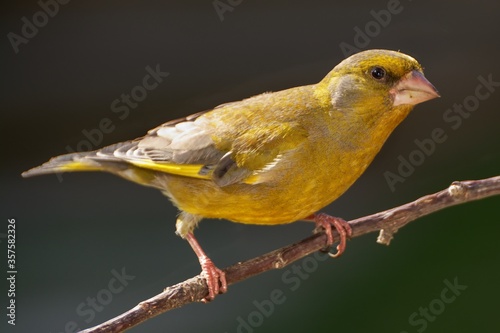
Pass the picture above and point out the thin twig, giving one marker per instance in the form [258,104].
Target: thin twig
[388,222]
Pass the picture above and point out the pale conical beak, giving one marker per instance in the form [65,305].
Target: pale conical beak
[412,89]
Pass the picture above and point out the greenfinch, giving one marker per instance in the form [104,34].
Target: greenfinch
[273,158]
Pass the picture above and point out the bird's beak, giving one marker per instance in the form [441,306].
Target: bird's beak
[413,88]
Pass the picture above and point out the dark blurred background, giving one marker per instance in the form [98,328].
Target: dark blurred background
[74,231]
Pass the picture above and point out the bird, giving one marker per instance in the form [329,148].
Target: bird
[271,159]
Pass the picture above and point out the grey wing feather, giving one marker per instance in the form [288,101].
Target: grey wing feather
[181,142]
[189,141]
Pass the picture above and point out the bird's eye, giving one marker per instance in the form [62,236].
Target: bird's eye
[378,73]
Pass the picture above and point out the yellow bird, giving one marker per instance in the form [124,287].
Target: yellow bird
[273,158]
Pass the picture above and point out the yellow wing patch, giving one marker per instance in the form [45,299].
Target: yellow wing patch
[187,170]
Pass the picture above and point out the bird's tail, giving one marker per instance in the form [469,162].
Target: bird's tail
[64,163]
[99,160]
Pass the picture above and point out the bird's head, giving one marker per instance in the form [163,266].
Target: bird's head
[376,82]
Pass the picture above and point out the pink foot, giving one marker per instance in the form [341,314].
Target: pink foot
[326,222]
[216,278]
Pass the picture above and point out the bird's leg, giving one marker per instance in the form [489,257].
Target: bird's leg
[212,274]
[326,222]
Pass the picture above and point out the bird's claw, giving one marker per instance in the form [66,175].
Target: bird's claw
[325,222]
[216,279]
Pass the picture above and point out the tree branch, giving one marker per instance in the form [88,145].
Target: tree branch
[388,222]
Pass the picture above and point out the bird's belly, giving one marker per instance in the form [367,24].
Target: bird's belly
[253,204]
[279,202]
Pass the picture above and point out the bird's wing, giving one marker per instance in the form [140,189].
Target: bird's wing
[181,147]
[195,147]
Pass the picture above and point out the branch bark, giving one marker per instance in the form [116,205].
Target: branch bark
[387,222]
